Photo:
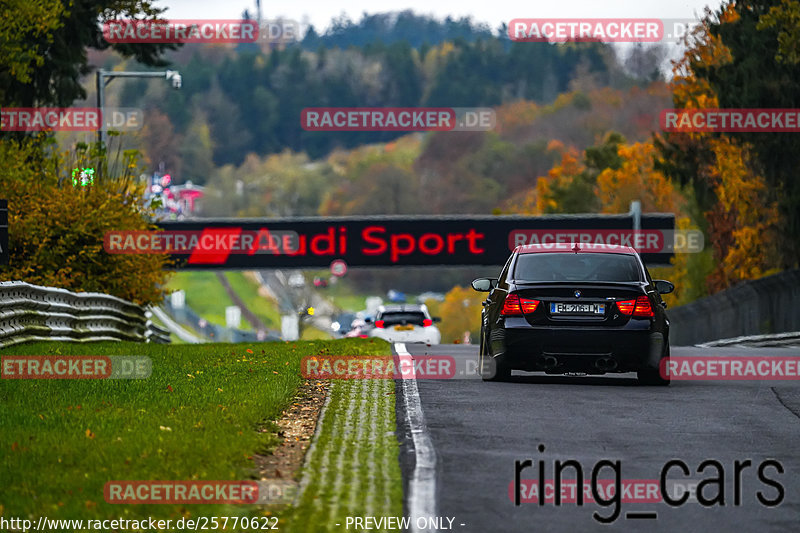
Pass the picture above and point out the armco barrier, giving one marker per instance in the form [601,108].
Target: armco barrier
[32,312]
[766,305]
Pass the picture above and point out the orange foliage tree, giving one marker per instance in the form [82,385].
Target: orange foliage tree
[637,179]
[740,214]
[743,221]
[539,199]
[460,312]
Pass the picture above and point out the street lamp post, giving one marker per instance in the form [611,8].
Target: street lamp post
[104,77]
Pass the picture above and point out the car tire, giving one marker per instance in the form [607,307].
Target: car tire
[501,372]
[650,377]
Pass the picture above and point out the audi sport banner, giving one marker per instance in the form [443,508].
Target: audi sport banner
[392,240]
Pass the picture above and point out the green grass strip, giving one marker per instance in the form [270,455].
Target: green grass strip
[353,467]
[200,416]
[204,294]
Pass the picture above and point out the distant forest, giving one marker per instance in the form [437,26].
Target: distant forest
[248,98]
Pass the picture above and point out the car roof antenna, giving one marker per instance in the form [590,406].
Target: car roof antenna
[577,248]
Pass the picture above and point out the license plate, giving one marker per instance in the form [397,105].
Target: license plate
[400,327]
[577,309]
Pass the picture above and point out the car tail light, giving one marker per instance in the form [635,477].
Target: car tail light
[643,307]
[379,323]
[626,307]
[514,305]
[639,307]
[427,322]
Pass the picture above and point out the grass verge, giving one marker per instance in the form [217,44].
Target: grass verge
[207,297]
[247,289]
[341,293]
[352,468]
[204,294]
[202,414]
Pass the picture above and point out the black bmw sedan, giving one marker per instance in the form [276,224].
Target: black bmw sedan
[574,308]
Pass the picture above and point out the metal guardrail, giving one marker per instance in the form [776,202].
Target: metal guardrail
[174,327]
[155,333]
[32,312]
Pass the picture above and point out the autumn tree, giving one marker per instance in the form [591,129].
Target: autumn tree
[461,312]
[160,141]
[197,150]
[636,178]
[56,230]
[44,46]
[720,69]
[733,198]
[570,185]
[25,21]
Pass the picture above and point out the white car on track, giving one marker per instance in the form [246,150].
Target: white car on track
[406,323]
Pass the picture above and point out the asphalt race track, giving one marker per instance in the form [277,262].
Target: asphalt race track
[479,430]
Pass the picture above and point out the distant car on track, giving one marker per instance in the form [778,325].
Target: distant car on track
[425,296]
[342,323]
[359,328]
[405,323]
[561,308]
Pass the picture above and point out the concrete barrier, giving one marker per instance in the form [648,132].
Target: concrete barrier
[766,305]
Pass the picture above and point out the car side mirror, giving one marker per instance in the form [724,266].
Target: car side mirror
[663,286]
[484,284]
[436,318]
[368,320]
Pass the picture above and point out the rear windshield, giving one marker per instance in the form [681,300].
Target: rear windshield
[405,317]
[576,267]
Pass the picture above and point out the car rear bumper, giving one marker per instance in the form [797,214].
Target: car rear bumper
[429,337]
[633,347]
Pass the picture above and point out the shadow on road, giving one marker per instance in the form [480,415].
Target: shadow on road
[605,381]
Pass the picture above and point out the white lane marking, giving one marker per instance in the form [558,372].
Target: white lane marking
[422,486]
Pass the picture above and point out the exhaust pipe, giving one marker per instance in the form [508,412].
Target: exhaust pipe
[606,363]
[548,361]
